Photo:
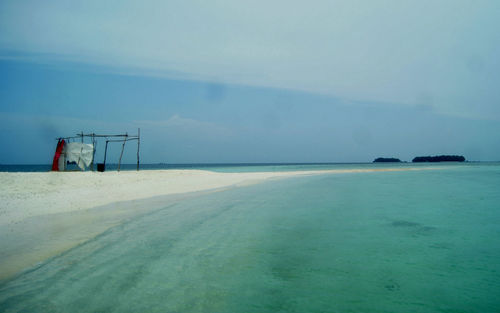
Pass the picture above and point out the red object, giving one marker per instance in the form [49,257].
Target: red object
[57,155]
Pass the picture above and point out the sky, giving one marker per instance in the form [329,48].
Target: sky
[252,81]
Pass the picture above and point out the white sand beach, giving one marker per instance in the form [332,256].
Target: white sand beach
[43,214]
[24,195]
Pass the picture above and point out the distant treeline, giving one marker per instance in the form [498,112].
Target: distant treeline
[439,158]
[384,160]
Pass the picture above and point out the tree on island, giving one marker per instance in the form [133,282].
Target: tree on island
[439,158]
[386,160]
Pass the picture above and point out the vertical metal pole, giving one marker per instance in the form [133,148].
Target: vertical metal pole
[138,144]
[93,152]
[81,149]
[105,153]
[121,154]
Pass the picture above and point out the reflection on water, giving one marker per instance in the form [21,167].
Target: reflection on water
[364,242]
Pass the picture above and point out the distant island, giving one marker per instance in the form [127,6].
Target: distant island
[439,158]
[386,160]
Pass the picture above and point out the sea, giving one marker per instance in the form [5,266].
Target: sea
[422,240]
[218,167]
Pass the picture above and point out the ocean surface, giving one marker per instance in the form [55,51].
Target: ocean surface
[228,167]
[408,241]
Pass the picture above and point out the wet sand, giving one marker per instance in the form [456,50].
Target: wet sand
[45,214]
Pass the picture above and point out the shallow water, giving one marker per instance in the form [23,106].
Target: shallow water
[419,241]
[242,167]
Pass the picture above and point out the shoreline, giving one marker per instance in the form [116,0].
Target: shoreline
[44,214]
[30,243]
[24,195]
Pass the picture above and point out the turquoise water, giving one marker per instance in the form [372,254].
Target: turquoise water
[223,167]
[236,167]
[413,241]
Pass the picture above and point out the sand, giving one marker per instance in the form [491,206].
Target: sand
[44,214]
[24,195]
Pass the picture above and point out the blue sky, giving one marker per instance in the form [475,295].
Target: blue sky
[226,81]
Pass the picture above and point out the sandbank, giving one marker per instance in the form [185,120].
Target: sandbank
[24,195]
[43,214]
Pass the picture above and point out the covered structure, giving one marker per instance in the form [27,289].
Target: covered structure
[73,149]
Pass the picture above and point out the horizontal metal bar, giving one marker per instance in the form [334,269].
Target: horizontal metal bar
[122,140]
[96,135]
[101,136]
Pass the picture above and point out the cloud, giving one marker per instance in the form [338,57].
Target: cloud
[383,51]
[178,126]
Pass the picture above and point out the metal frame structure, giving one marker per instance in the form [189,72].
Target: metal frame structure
[123,138]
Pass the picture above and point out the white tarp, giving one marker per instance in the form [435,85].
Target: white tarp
[62,161]
[81,153]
